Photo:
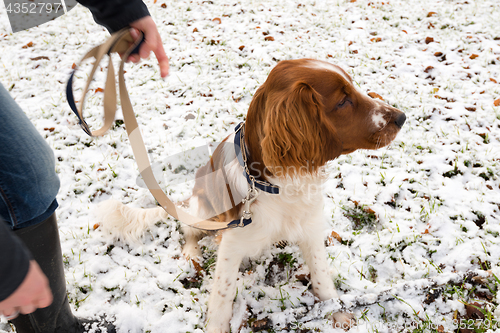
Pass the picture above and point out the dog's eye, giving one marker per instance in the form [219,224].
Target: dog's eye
[342,103]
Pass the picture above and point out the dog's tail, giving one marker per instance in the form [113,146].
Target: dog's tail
[127,223]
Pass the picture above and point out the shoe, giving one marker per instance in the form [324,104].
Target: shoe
[43,242]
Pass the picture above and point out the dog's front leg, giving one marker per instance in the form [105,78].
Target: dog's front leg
[314,252]
[220,303]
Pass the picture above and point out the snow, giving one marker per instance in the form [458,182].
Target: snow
[428,190]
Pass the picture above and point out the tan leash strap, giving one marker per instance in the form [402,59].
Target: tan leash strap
[123,43]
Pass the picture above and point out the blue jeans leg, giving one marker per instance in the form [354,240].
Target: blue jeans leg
[28,181]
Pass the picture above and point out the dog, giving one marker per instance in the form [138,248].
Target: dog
[306,113]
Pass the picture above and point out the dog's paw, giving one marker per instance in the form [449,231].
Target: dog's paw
[213,327]
[191,251]
[215,330]
[343,320]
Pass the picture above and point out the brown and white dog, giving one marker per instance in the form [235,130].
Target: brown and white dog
[308,112]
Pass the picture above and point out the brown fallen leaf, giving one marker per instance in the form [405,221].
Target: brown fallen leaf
[30,44]
[217,20]
[40,58]
[369,210]
[97,225]
[99,90]
[473,56]
[493,80]
[430,14]
[269,38]
[333,236]
[496,102]
[428,69]
[375,95]
[241,47]
[473,311]
[429,40]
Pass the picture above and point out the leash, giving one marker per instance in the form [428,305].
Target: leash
[123,43]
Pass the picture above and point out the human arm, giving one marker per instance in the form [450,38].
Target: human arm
[23,286]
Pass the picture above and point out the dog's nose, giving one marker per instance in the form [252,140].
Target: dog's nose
[400,120]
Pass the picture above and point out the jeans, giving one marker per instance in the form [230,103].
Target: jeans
[28,181]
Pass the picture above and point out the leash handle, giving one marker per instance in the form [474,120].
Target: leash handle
[120,42]
[123,43]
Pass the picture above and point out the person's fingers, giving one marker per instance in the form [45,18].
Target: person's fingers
[134,33]
[27,309]
[152,42]
[34,292]
[134,58]
[45,299]
[162,58]
[10,316]
[9,313]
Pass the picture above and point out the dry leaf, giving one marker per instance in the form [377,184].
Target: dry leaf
[99,90]
[241,47]
[269,38]
[333,236]
[496,102]
[474,56]
[217,20]
[369,210]
[30,44]
[96,226]
[40,58]
[195,30]
[428,69]
[196,266]
[163,5]
[473,312]
[375,95]
[493,80]
[430,14]
[429,40]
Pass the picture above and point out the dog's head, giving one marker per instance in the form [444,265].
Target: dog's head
[309,112]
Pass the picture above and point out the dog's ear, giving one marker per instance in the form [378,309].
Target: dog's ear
[298,138]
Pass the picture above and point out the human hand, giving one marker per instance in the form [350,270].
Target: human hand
[33,293]
[152,42]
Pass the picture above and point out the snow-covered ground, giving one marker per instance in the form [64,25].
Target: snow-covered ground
[417,222]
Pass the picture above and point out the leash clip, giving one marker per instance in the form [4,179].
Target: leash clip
[247,201]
